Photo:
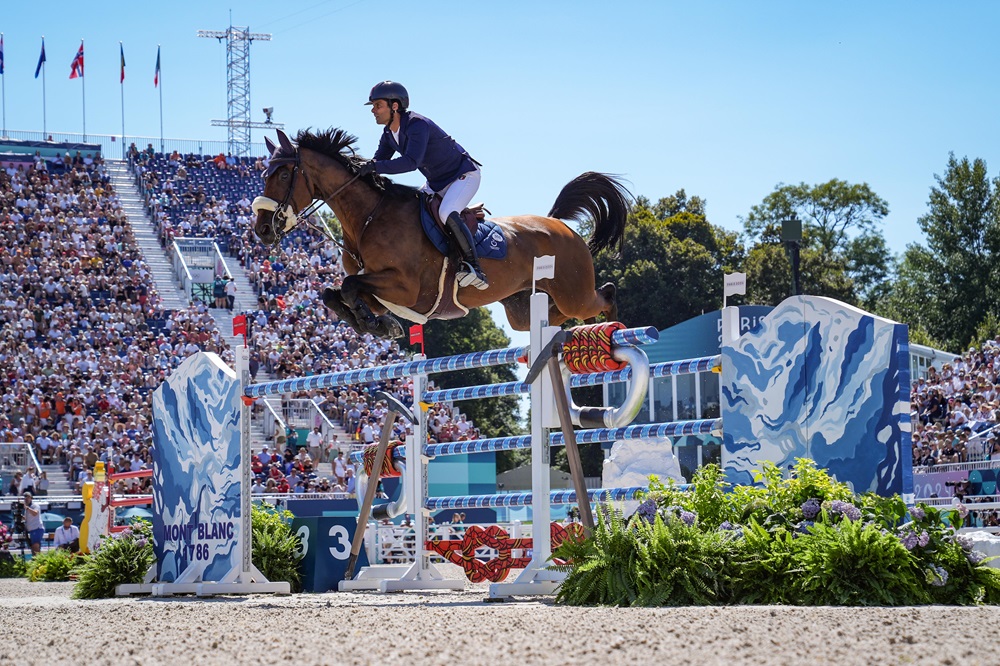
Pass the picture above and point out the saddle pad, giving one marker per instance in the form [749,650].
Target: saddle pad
[490,241]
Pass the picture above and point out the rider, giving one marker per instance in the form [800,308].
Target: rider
[449,170]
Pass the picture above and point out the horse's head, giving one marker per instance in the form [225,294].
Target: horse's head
[285,194]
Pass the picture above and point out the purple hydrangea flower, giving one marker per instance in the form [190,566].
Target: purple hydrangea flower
[142,542]
[687,517]
[647,510]
[937,576]
[846,509]
[804,526]
[810,508]
[963,541]
[923,539]
[975,556]
[909,539]
[917,513]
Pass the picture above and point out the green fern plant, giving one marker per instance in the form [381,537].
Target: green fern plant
[679,564]
[851,563]
[604,566]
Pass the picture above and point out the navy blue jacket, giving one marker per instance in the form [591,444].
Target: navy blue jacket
[425,147]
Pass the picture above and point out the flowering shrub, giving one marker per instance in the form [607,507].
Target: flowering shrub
[804,540]
[52,565]
[10,566]
[119,558]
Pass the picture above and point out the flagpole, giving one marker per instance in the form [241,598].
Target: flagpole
[83,84]
[3,88]
[121,81]
[45,130]
[3,91]
[160,86]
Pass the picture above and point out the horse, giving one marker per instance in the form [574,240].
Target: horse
[391,264]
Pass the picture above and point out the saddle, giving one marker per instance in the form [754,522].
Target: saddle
[471,215]
[490,244]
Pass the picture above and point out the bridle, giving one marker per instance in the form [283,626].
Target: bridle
[284,219]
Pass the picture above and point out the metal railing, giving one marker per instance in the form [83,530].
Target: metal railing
[957,467]
[115,146]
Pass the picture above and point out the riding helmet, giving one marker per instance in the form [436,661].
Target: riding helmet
[390,90]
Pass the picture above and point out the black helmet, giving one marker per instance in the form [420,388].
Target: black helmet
[390,90]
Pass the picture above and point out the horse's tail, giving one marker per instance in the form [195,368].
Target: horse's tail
[604,199]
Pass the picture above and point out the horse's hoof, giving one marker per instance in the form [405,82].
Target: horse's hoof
[389,327]
[331,299]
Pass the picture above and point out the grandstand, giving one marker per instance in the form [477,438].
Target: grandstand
[108,270]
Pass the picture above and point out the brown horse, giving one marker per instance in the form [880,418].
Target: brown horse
[393,266]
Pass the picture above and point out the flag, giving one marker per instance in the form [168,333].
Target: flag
[1,53]
[280,300]
[156,76]
[77,64]
[544,267]
[41,59]
[240,325]
[734,284]
[122,50]
[417,334]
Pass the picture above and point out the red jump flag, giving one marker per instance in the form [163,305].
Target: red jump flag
[417,336]
[240,325]
[77,64]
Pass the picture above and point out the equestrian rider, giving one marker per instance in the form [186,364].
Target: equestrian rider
[449,170]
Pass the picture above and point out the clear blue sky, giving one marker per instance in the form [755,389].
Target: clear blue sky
[724,99]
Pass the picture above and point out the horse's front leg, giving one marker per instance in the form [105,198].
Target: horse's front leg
[383,325]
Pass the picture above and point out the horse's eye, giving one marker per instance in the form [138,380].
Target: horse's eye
[284,175]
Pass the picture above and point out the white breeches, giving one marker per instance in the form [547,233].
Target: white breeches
[457,196]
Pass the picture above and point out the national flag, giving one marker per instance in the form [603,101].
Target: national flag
[156,76]
[122,50]
[77,64]
[280,301]
[1,53]
[41,59]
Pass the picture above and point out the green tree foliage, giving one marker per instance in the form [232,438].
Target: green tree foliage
[672,262]
[949,285]
[843,253]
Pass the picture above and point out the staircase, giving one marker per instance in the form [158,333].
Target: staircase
[157,259]
[59,483]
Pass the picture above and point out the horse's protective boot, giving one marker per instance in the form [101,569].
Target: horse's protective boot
[469,273]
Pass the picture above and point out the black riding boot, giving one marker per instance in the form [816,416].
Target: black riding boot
[469,273]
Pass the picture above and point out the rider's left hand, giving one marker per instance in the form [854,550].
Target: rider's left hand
[366,168]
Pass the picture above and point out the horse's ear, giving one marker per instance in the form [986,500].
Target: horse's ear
[285,142]
[270,145]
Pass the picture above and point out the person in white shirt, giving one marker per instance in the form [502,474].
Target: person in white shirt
[68,536]
[315,443]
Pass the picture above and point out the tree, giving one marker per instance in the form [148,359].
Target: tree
[672,262]
[951,284]
[843,254]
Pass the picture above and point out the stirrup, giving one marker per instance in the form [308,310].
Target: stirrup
[470,276]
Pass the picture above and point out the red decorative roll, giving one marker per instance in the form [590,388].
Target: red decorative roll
[388,470]
[589,349]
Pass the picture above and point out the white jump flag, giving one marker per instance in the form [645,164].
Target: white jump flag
[544,269]
[735,283]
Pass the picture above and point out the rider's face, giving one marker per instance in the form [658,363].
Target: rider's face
[381,111]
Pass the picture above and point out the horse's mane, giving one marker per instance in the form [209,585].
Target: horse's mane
[339,145]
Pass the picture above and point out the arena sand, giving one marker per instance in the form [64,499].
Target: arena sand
[41,625]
